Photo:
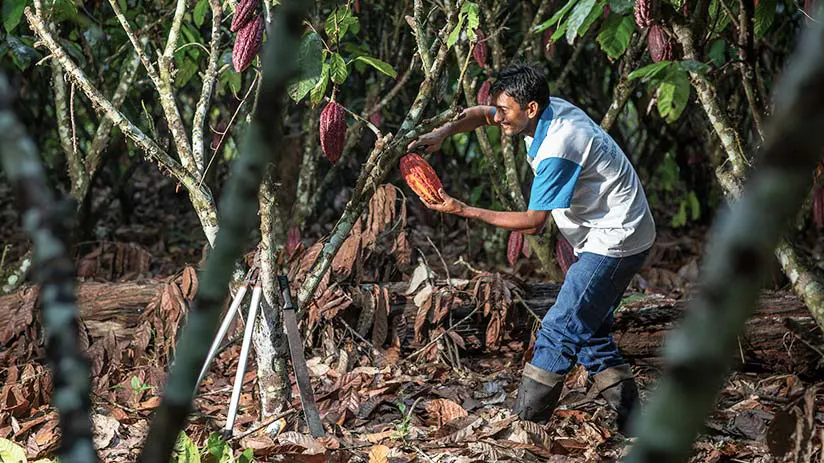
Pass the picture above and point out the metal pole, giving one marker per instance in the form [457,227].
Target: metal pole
[221,333]
[244,355]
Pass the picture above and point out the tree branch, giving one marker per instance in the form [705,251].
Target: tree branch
[209,77]
[237,219]
[698,354]
[46,222]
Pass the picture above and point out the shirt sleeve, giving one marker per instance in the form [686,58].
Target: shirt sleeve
[554,183]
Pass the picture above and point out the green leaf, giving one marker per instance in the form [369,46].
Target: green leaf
[456,32]
[764,17]
[577,17]
[673,94]
[199,14]
[593,15]
[614,36]
[21,53]
[310,65]
[621,6]
[552,22]
[719,19]
[689,65]
[717,52]
[695,206]
[247,456]
[472,19]
[339,22]
[337,69]
[11,452]
[185,450]
[679,219]
[12,12]
[316,95]
[63,10]
[649,71]
[381,66]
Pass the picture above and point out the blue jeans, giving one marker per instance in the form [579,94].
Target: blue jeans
[578,327]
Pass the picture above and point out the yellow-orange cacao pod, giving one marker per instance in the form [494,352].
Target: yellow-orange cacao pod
[421,178]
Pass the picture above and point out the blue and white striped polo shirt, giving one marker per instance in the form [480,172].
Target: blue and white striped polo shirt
[588,183]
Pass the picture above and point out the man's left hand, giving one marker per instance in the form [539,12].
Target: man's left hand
[449,204]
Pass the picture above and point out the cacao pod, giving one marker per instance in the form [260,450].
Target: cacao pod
[483,93]
[526,250]
[564,254]
[481,50]
[376,119]
[818,207]
[421,178]
[643,13]
[247,43]
[244,12]
[659,45]
[332,131]
[292,239]
[514,246]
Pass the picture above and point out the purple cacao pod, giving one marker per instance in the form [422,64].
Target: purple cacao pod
[514,246]
[481,50]
[564,254]
[644,16]
[244,12]
[483,93]
[247,43]
[332,131]
[659,44]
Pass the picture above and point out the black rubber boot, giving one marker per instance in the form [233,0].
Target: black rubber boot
[617,386]
[538,394]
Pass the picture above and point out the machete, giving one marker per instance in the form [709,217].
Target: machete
[307,399]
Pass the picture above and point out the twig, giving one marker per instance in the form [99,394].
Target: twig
[206,91]
[445,268]
[352,330]
[138,48]
[263,424]
[71,118]
[438,337]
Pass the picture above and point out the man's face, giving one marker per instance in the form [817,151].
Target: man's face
[513,118]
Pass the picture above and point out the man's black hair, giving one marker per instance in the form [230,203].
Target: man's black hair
[524,83]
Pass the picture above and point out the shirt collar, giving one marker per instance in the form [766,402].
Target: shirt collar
[541,130]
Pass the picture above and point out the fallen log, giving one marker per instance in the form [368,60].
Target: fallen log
[780,337]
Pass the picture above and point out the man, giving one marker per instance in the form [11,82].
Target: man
[584,179]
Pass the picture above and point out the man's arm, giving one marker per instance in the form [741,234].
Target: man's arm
[530,222]
[469,120]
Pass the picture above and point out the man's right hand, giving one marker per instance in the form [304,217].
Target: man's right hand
[427,142]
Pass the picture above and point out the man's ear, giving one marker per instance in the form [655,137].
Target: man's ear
[532,109]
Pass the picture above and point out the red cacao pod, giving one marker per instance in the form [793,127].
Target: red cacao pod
[659,44]
[513,247]
[481,50]
[483,93]
[247,43]
[526,250]
[244,12]
[644,16]
[376,119]
[421,178]
[564,254]
[818,207]
[332,131]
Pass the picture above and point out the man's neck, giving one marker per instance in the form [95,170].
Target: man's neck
[531,127]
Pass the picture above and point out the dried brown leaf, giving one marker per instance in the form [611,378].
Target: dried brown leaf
[443,410]
[380,327]
[189,282]
[378,454]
